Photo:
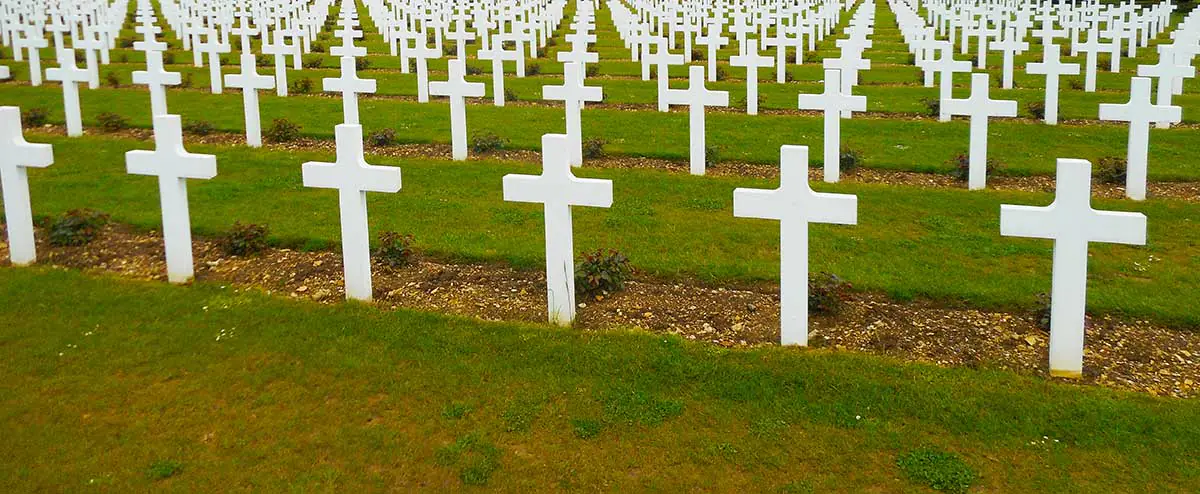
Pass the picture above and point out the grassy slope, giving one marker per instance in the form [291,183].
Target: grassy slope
[909,242]
[104,378]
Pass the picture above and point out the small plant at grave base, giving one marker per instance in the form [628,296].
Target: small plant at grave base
[960,167]
[163,469]
[1111,170]
[449,50]
[1075,84]
[111,79]
[187,81]
[199,127]
[34,117]
[788,76]
[593,70]
[593,148]
[317,47]
[123,58]
[282,130]
[849,160]
[474,70]
[300,86]
[111,122]
[712,154]
[722,74]
[125,43]
[1041,313]
[263,60]
[1037,109]
[168,58]
[244,239]
[933,106]
[77,227]
[509,95]
[533,69]
[382,137]
[601,273]
[312,61]
[941,471]
[697,54]
[486,143]
[827,293]
[361,63]
[395,250]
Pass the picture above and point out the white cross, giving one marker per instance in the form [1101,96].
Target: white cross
[1010,45]
[90,43]
[979,107]
[558,189]
[696,97]
[1092,47]
[461,35]
[1071,223]
[713,41]
[70,76]
[573,93]
[15,156]
[834,102]
[173,166]
[353,178]
[457,88]
[350,86]
[249,81]
[157,79]
[422,53]
[1168,71]
[34,41]
[663,59]
[947,66]
[795,205]
[279,49]
[148,43]
[751,60]
[850,62]
[497,54]
[1052,67]
[214,47]
[347,48]
[1140,112]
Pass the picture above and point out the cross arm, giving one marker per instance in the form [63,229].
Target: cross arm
[757,203]
[1118,228]
[1026,221]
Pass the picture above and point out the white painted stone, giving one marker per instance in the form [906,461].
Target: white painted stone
[250,82]
[213,46]
[350,85]
[1169,72]
[173,166]
[946,66]
[1071,223]
[497,54]
[15,156]
[1010,45]
[979,107]
[696,97]
[156,78]
[353,178]
[70,76]
[795,205]
[1052,67]
[751,60]
[422,53]
[1140,112]
[573,93]
[834,103]
[663,60]
[457,89]
[558,189]
[33,41]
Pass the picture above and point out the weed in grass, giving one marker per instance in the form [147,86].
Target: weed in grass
[77,227]
[382,137]
[474,70]
[941,471]
[317,47]
[476,458]
[600,273]
[742,101]
[533,69]
[1037,109]
[395,250]
[705,203]
[188,80]
[34,117]
[1041,311]
[712,154]
[111,79]
[163,469]
[282,130]
[518,416]
[122,58]
[960,166]
[1075,84]
[1111,170]
[510,95]
[586,428]
[456,410]
[722,74]
[698,54]
[449,50]
[199,127]
[933,107]
[244,239]
[849,160]
[827,293]
[797,487]
[362,63]
[593,148]
[111,122]
[300,86]
[125,43]
[314,245]
[487,142]
[631,406]
[593,70]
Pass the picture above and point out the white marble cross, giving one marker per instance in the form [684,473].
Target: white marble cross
[34,41]
[713,41]
[497,54]
[91,43]
[1092,48]
[979,106]
[279,49]
[15,156]
[173,166]
[1010,46]
[795,205]
[457,89]
[421,52]
[834,103]
[1168,71]
[1071,223]
[214,46]
[946,66]
[349,84]
[573,93]
[751,60]
[558,189]
[353,178]
[1052,67]
[1140,112]
[157,79]
[249,81]
[663,60]
[70,76]
[696,97]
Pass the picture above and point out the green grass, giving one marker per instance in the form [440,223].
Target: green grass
[910,242]
[942,471]
[105,377]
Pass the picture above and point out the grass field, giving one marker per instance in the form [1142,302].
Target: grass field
[130,386]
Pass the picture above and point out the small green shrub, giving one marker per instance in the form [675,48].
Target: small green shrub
[712,154]
[382,137]
[111,122]
[487,142]
[474,70]
[77,227]
[592,70]
[1037,109]
[34,117]
[264,60]
[449,50]
[199,127]
[244,239]
[312,61]
[849,160]
[827,293]
[163,469]
[594,148]
[1111,170]
[722,74]
[395,250]
[510,95]
[961,167]
[282,130]
[168,58]
[188,80]
[111,79]
[1041,311]
[318,47]
[533,69]
[601,273]
[125,43]
[933,106]
[941,471]
[698,54]
[1075,84]
[300,86]
[361,63]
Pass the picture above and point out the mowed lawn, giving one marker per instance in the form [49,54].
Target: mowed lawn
[910,242]
[125,386]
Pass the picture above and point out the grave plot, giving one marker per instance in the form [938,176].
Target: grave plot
[996,189]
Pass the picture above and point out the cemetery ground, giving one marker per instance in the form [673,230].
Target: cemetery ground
[129,385]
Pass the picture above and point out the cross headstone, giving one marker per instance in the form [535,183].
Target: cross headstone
[834,103]
[696,97]
[173,166]
[1091,48]
[250,82]
[1052,67]
[421,52]
[350,85]
[751,60]
[573,93]
[457,89]
[497,54]
[1010,45]
[214,46]
[558,189]
[157,79]
[795,205]
[1140,112]
[353,178]
[663,59]
[1168,71]
[34,41]
[70,76]
[279,49]
[16,155]
[946,66]
[1071,223]
[980,107]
